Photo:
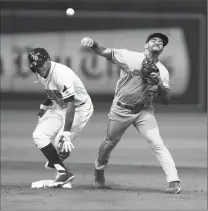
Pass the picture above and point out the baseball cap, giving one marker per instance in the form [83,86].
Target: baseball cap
[163,37]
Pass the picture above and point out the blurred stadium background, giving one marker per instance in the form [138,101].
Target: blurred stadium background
[118,24]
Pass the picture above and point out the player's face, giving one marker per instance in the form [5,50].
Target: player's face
[43,70]
[155,45]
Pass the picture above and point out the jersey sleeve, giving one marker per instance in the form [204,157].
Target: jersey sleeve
[64,82]
[119,56]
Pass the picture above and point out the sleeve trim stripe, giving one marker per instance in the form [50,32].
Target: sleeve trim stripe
[113,57]
[69,95]
[67,88]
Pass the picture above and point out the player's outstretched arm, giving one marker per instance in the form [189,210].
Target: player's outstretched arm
[70,111]
[97,48]
[65,145]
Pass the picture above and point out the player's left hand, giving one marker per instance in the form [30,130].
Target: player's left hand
[65,145]
[154,79]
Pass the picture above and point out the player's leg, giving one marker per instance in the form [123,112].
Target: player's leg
[119,120]
[47,127]
[147,125]
[115,131]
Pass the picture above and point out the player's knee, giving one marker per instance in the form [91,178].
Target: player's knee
[111,141]
[39,140]
[153,136]
[36,135]
[157,145]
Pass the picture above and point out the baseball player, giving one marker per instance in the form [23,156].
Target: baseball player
[64,113]
[142,76]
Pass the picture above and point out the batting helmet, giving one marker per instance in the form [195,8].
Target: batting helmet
[163,37]
[37,57]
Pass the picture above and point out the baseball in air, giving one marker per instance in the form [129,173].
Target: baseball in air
[70,11]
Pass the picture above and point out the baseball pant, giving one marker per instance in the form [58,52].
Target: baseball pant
[51,125]
[145,123]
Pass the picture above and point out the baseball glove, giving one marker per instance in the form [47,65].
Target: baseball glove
[150,72]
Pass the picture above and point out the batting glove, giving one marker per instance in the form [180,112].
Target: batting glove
[87,42]
[65,144]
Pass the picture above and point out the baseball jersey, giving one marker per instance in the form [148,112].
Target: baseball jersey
[62,83]
[130,88]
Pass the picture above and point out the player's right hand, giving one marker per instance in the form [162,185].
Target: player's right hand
[87,42]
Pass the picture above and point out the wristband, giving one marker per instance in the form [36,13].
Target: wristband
[95,44]
[66,133]
[43,107]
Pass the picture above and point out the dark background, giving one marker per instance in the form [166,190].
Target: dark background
[10,25]
[164,6]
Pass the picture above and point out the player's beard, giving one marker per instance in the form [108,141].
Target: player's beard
[156,50]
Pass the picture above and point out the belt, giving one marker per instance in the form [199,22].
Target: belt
[134,109]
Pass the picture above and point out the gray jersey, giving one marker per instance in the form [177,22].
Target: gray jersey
[130,88]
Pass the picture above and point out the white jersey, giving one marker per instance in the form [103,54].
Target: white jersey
[62,83]
[130,88]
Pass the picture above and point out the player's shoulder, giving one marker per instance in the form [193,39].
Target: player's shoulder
[129,53]
[60,69]
[137,54]
[61,72]
[59,65]
[126,51]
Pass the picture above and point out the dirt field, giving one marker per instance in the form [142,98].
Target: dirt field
[135,179]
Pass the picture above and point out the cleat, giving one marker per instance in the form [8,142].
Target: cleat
[49,165]
[99,178]
[174,187]
[63,177]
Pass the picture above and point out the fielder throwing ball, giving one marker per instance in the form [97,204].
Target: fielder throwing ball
[142,75]
[66,110]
